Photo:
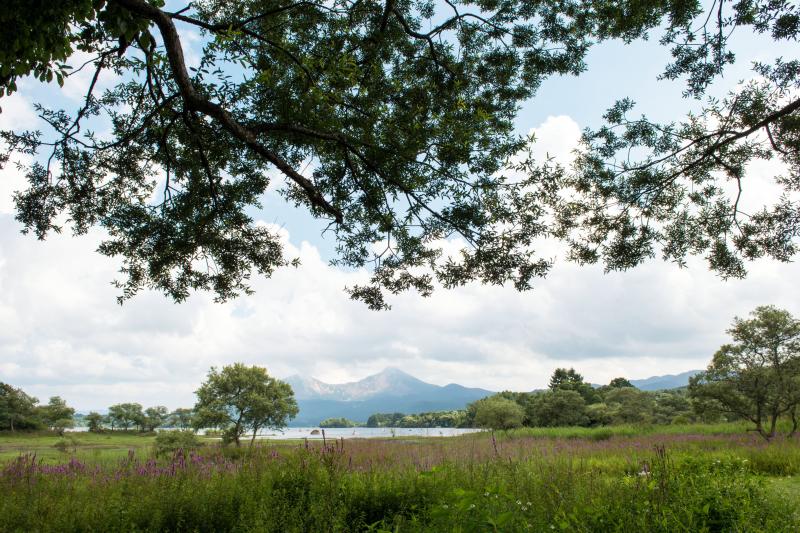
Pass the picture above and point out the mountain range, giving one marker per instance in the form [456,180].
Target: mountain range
[389,391]
[670,381]
[393,390]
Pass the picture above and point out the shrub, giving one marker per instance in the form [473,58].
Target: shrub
[168,442]
[65,443]
[498,413]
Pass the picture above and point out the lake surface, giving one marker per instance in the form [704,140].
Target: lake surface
[365,433]
[347,433]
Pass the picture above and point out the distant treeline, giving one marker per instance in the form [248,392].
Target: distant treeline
[439,419]
[21,411]
[128,416]
[568,401]
[571,401]
[339,423]
[234,400]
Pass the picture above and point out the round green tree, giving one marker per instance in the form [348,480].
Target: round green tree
[498,413]
[240,398]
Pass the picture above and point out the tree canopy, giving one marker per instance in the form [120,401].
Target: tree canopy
[238,398]
[757,376]
[17,409]
[496,412]
[568,379]
[126,415]
[94,421]
[393,120]
[57,415]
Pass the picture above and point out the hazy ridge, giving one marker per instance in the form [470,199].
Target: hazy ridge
[393,390]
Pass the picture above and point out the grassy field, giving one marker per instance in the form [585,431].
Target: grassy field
[689,478]
[93,447]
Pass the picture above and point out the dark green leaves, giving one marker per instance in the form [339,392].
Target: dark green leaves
[395,122]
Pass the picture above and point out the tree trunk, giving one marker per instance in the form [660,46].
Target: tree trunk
[237,431]
[760,430]
[773,424]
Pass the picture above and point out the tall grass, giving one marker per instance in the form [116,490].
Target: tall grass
[514,482]
[627,430]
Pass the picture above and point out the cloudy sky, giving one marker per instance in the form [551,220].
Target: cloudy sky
[61,331]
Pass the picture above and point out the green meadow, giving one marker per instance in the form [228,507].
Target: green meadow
[52,448]
[675,478]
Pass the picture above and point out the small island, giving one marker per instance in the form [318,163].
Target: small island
[339,422]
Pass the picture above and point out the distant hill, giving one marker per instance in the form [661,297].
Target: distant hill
[389,391]
[670,381]
[393,390]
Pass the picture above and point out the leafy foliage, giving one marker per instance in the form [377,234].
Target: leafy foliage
[57,415]
[240,398]
[403,113]
[643,188]
[498,413]
[41,40]
[125,415]
[181,418]
[94,421]
[568,379]
[560,407]
[340,422]
[17,409]
[154,417]
[757,377]
[169,442]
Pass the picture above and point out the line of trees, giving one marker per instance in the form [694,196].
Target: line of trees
[126,416]
[436,419]
[339,422]
[236,399]
[20,411]
[756,377]
[571,401]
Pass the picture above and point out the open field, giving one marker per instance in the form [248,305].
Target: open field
[690,478]
[92,447]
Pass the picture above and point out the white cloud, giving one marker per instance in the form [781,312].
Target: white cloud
[557,138]
[18,113]
[192,46]
[62,332]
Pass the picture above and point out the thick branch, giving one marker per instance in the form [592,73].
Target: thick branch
[196,102]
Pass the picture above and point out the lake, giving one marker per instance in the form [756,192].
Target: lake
[365,433]
[347,433]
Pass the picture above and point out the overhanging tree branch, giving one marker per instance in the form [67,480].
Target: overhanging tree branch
[196,102]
